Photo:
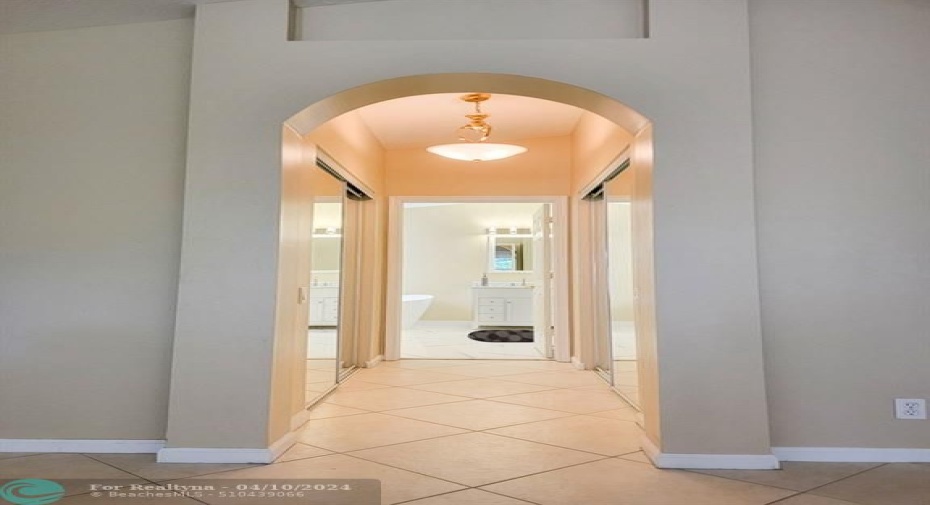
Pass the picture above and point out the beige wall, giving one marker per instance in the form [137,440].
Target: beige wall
[543,170]
[844,222]
[92,142]
[446,250]
[698,50]
[596,142]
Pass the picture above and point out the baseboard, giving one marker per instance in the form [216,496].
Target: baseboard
[373,362]
[577,363]
[41,445]
[709,461]
[227,455]
[852,454]
[298,419]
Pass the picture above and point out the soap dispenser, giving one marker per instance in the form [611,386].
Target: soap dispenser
[484,279]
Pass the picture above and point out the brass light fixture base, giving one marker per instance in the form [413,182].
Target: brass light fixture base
[475,97]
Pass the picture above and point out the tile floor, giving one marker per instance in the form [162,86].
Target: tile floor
[449,340]
[490,433]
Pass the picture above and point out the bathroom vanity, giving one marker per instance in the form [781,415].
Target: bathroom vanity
[324,305]
[502,305]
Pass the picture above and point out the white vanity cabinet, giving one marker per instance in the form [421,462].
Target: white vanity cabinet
[324,306]
[502,306]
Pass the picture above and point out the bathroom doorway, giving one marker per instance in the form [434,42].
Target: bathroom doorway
[477,278]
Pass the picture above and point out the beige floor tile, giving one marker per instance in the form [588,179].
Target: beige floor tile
[389,398]
[362,431]
[608,437]
[809,499]
[354,384]
[542,365]
[414,364]
[318,387]
[61,467]
[144,466]
[401,377]
[558,379]
[325,410]
[799,476]
[480,388]
[891,484]
[9,455]
[638,457]
[301,451]
[478,414]
[615,481]
[396,485]
[624,414]
[489,370]
[321,376]
[567,400]
[475,459]
[469,497]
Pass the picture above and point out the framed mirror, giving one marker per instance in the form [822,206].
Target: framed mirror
[510,250]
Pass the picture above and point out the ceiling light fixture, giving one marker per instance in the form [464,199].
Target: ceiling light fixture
[473,137]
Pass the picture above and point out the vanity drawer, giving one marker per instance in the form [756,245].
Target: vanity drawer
[490,318]
[491,302]
[490,309]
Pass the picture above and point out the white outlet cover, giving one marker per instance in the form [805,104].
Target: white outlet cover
[910,408]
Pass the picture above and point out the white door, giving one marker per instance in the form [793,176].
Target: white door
[542,281]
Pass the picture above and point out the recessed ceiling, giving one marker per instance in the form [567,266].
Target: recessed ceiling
[17,16]
[424,120]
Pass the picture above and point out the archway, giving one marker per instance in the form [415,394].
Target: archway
[639,155]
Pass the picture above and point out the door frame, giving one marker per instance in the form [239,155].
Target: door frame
[395,264]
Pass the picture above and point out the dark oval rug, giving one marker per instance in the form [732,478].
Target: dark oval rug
[502,335]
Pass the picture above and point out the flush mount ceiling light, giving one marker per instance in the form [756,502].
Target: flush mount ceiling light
[474,136]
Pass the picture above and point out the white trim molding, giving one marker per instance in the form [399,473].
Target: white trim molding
[853,454]
[40,445]
[709,461]
[395,261]
[227,455]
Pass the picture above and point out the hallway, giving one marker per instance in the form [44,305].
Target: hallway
[474,432]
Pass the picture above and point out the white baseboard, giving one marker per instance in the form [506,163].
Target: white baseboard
[224,455]
[852,454]
[709,461]
[373,362]
[88,446]
[577,363]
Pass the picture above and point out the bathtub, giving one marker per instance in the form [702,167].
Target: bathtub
[412,309]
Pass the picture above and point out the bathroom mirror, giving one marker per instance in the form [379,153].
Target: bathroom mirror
[326,250]
[510,252]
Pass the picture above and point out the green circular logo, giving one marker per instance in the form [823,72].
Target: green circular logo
[31,491]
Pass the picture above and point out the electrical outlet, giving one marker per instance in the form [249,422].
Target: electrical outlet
[910,408]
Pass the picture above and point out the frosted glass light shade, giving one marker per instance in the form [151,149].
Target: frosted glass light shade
[476,151]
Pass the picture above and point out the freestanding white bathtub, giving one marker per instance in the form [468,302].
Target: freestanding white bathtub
[412,309]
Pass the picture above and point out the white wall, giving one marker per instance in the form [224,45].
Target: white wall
[842,140]
[92,141]
[446,250]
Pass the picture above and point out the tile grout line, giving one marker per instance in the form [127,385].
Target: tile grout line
[779,487]
[837,480]
[151,481]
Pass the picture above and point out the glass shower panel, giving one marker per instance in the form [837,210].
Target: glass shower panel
[324,322]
